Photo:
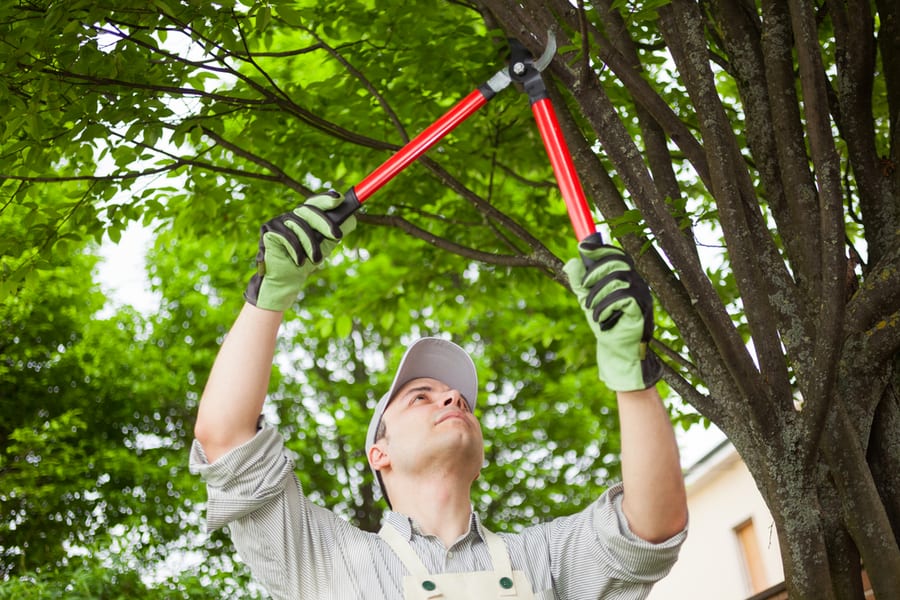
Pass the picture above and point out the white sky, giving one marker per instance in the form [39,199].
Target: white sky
[122,274]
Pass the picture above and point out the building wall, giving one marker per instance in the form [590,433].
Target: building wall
[712,566]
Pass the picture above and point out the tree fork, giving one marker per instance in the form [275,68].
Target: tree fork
[883,453]
[864,514]
[843,556]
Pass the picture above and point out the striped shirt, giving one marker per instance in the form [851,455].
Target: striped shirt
[298,549]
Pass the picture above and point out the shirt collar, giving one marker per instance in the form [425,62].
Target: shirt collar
[408,528]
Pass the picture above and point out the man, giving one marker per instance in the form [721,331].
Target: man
[426,447]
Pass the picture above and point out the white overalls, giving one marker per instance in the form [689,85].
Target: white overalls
[502,583]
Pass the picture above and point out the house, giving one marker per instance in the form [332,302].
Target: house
[732,551]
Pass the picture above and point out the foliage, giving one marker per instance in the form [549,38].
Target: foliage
[94,580]
[96,424]
[743,154]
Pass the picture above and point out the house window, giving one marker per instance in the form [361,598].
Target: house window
[753,564]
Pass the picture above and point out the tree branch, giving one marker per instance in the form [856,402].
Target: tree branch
[864,512]
[637,86]
[799,189]
[855,59]
[878,295]
[538,249]
[740,38]
[656,147]
[681,25]
[705,405]
[256,159]
[115,177]
[92,80]
[819,382]
[183,161]
[171,56]
[402,224]
[379,97]
[699,313]
[21,186]
[889,44]
[280,99]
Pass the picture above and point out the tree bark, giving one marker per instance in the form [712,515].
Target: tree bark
[793,500]
[883,453]
[843,557]
[864,514]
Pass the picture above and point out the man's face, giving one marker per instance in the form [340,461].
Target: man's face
[429,424]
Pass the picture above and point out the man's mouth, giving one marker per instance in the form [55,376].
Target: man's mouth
[451,415]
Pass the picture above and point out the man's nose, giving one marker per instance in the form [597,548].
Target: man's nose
[454,398]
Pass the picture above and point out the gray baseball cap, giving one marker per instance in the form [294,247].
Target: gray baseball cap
[427,357]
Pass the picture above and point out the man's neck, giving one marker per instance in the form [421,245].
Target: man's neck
[438,506]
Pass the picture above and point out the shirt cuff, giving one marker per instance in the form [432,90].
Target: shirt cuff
[648,561]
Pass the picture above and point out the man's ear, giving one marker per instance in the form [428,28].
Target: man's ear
[378,458]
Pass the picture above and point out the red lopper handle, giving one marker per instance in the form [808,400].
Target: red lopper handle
[420,144]
[564,169]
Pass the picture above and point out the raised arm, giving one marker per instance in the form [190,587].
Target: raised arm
[289,250]
[619,309]
[654,501]
[236,389]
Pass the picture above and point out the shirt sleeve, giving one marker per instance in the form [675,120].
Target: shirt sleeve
[286,540]
[244,479]
[597,545]
[641,559]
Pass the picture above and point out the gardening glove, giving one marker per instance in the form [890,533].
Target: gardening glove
[619,310]
[291,246]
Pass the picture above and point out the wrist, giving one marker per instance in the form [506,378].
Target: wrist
[650,394]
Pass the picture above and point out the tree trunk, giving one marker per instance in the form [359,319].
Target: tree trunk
[800,525]
[830,473]
[826,521]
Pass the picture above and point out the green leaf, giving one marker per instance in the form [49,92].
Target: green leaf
[344,325]
[289,15]
[263,18]
[164,7]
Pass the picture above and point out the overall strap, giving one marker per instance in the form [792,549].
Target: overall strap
[501,563]
[404,551]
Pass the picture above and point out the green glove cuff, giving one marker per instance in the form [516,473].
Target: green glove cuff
[619,310]
[291,247]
